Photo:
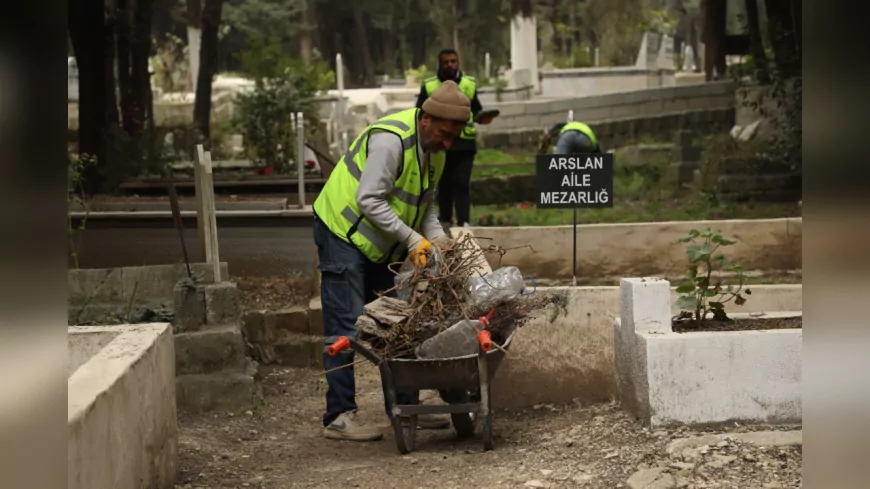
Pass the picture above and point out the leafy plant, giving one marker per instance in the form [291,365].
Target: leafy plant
[419,73]
[701,292]
[76,198]
[283,86]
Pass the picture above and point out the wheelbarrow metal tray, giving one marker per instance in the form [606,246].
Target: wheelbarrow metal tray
[444,373]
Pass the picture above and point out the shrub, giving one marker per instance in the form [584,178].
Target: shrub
[702,293]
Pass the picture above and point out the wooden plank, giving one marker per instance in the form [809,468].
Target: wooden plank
[212,216]
[200,219]
[202,196]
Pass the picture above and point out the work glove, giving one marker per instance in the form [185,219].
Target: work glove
[443,242]
[418,246]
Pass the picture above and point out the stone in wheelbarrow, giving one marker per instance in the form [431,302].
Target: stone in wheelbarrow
[456,341]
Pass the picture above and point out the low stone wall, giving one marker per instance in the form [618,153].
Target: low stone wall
[602,80]
[292,337]
[636,104]
[572,358]
[492,95]
[121,421]
[666,378]
[95,293]
[612,133]
[619,250]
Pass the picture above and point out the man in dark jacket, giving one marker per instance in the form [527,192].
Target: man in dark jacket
[456,180]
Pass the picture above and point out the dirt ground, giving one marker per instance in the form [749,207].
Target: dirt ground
[280,446]
[273,293]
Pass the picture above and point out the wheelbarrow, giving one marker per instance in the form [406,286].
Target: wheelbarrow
[463,383]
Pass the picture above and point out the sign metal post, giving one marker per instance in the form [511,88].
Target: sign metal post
[575,181]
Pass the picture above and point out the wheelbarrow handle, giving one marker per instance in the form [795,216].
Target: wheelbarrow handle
[484,337]
[343,343]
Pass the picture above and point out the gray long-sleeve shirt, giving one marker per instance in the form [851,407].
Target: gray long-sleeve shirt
[385,157]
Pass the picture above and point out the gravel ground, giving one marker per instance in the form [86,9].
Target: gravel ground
[279,446]
[273,293]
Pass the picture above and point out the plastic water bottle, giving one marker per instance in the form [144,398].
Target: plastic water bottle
[503,283]
[456,341]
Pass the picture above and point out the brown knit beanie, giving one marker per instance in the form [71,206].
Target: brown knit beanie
[448,102]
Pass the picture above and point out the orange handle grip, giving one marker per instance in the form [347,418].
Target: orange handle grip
[485,340]
[341,344]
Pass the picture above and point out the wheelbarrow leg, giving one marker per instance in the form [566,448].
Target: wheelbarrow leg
[485,406]
[403,445]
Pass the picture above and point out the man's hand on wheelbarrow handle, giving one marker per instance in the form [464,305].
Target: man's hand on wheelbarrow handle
[341,344]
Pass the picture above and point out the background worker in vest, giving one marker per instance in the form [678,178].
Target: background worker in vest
[456,182]
[377,208]
[570,137]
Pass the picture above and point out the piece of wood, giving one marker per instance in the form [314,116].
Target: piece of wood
[200,216]
[202,196]
[481,266]
[213,235]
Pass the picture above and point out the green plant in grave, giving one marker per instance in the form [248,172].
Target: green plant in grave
[703,290]
[76,199]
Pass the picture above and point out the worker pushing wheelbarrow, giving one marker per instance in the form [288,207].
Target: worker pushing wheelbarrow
[463,383]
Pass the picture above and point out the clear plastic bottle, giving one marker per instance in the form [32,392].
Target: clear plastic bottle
[456,341]
[502,283]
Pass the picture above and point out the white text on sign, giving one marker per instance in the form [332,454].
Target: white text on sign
[576,163]
[575,180]
[578,197]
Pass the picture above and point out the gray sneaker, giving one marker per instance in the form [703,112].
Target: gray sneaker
[346,427]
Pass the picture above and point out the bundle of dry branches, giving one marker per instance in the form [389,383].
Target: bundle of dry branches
[434,298]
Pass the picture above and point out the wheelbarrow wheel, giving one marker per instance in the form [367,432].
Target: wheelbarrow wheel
[405,443]
[463,424]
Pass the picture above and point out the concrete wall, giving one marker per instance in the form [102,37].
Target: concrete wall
[618,250]
[650,102]
[573,82]
[573,357]
[94,292]
[619,132]
[490,95]
[122,431]
[668,378]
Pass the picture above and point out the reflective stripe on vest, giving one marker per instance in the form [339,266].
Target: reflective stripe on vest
[336,205]
[467,85]
[583,128]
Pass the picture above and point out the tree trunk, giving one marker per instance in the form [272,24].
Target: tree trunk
[756,46]
[88,35]
[122,22]
[362,38]
[140,78]
[208,56]
[194,39]
[782,31]
[457,15]
[305,43]
[714,14]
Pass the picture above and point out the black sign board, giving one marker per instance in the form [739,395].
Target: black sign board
[575,181]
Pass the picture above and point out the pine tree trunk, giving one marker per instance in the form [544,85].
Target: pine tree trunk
[762,73]
[89,37]
[362,38]
[208,57]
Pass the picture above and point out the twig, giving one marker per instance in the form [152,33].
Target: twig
[325,372]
